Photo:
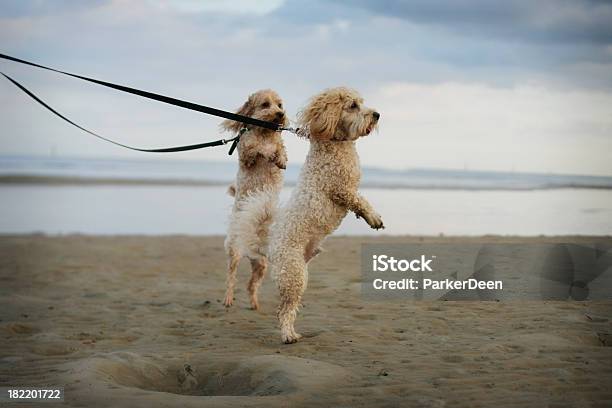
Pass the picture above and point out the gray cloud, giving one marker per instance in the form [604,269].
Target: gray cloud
[581,21]
[29,8]
[498,42]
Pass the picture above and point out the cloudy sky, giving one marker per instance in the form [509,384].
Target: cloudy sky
[514,85]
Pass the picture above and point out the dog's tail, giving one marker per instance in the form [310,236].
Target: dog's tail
[250,224]
[231,190]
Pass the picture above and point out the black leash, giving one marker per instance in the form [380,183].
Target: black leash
[161,98]
[164,150]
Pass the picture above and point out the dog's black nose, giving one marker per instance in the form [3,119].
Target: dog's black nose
[376,115]
[279,115]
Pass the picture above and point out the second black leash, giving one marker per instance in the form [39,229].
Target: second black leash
[219,142]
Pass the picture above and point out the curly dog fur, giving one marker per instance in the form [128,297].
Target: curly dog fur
[262,159]
[327,189]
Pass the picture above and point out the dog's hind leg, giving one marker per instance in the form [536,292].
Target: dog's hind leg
[291,281]
[232,267]
[258,270]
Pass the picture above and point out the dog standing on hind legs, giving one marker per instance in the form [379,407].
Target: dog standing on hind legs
[326,191]
[262,160]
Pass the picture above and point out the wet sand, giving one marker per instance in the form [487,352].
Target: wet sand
[137,321]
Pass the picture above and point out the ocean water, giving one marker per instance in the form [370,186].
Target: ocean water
[439,202]
[224,172]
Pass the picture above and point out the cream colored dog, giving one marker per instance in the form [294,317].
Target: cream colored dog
[326,191]
[262,159]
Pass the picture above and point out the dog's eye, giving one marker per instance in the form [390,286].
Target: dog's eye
[265,105]
[280,105]
[354,105]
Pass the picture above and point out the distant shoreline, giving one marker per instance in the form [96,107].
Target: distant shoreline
[72,180]
[27,179]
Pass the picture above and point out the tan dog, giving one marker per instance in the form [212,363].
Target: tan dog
[326,191]
[262,159]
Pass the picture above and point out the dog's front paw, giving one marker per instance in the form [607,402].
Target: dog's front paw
[279,161]
[374,220]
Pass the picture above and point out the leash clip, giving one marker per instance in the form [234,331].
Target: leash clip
[290,129]
[235,140]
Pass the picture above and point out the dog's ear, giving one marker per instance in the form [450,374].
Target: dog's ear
[247,109]
[321,116]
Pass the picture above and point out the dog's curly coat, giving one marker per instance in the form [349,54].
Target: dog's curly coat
[262,159]
[326,191]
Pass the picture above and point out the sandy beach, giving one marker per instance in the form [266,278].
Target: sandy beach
[138,321]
